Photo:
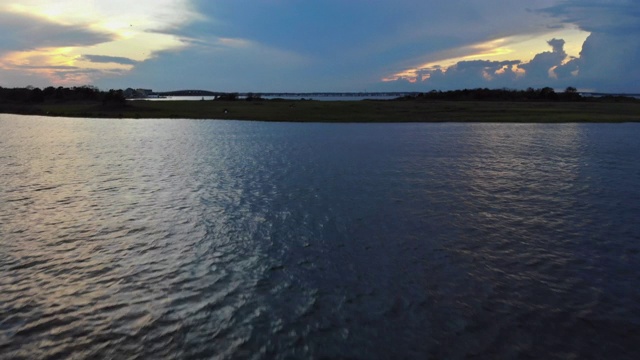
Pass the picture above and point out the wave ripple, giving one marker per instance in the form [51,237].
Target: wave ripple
[217,239]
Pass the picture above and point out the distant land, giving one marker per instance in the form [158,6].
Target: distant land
[542,105]
[304,95]
[363,94]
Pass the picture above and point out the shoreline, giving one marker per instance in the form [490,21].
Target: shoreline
[361,111]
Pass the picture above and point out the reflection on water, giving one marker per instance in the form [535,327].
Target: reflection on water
[207,239]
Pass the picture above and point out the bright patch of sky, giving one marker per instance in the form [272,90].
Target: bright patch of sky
[47,36]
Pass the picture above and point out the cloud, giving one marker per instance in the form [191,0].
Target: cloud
[539,71]
[47,67]
[216,64]
[361,34]
[32,49]
[25,32]
[46,40]
[607,62]
[333,45]
[109,59]
[611,16]
[471,74]
[610,56]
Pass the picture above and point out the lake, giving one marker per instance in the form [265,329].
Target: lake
[235,239]
[317,97]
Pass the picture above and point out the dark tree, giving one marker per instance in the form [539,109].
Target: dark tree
[37,96]
[114,98]
[571,94]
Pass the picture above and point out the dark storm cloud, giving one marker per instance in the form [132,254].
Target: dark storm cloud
[610,56]
[471,74]
[613,16]
[608,61]
[537,70]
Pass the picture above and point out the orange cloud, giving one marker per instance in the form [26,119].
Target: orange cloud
[67,43]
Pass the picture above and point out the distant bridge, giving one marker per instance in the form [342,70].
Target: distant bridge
[284,94]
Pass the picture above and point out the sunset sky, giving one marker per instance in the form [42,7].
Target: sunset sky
[322,45]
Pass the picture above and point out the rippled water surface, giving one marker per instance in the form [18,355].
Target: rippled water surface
[189,239]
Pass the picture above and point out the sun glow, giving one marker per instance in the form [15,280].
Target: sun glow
[135,34]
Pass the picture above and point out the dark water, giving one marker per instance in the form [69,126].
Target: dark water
[160,239]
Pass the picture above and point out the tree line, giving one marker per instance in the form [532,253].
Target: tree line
[34,95]
[530,94]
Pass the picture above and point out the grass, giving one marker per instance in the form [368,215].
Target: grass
[349,111]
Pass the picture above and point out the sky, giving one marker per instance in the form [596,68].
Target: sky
[321,45]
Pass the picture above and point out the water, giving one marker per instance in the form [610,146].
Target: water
[307,96]
[219,239]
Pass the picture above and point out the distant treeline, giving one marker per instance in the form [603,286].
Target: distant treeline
[34,95]
[188,93]
[530,94]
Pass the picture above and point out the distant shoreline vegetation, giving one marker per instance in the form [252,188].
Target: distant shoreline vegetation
[467,105]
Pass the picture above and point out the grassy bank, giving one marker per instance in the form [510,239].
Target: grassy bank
[348,111]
